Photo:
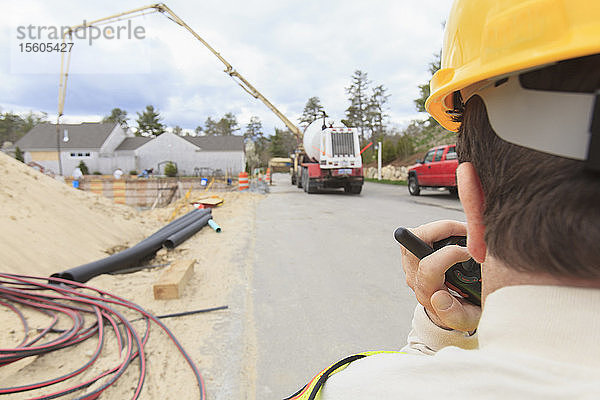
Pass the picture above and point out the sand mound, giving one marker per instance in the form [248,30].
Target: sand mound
[48,226]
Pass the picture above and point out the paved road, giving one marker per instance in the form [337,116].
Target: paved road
[327,280]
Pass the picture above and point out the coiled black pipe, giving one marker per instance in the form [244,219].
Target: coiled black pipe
[181,235]
[133,255]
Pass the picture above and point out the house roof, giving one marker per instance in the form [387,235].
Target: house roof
[87,135]
[217,143]
[132,143]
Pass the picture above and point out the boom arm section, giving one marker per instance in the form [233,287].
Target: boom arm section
[163,9]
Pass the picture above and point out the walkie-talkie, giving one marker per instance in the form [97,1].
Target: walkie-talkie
[464,277]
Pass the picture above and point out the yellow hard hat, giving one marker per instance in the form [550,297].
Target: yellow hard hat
[491,38]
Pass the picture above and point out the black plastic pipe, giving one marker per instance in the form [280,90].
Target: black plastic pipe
[181,221]
[182,235]
[133,255]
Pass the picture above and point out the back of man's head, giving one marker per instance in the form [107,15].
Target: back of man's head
[542,212]
[520,82]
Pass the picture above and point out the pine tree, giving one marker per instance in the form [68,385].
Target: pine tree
[253,129]
[376,115]
[210,127]
[13,126]
[424,89]
[283,142]
[357,112]
[226,126]
[428,132]
[117,115]
[312,111]
[149,123]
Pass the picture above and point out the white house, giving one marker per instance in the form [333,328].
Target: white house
[105,147]
[92,143]
[194,154]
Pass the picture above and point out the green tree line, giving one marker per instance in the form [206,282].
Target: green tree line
[14,126]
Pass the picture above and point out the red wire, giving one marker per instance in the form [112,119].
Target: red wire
[76,340]
[102,311]
[21,317]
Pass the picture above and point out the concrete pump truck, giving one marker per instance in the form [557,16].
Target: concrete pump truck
[330,159]
[325,157]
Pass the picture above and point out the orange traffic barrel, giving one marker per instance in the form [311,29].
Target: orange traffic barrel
[243,181]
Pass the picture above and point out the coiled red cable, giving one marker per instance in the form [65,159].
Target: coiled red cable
[73,300]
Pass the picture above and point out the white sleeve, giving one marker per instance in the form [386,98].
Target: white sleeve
[427,338]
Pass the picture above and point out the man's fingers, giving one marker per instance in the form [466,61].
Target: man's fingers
[410,265]
[430,276]
[429,233]
[454,314]
[438,230]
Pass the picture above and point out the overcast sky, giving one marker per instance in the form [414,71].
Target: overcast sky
[290,50]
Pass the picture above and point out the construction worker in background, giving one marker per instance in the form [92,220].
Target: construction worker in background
[146,173]
[520,82]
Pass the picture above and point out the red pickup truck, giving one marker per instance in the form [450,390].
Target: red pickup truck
[437,169]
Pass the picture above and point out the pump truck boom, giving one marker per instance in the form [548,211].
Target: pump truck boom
[166,11]
[339,165]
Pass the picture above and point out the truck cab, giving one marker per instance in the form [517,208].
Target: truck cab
[437,169]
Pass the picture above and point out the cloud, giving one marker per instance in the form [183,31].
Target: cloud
[289,50]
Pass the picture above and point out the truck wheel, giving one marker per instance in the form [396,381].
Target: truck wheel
[293,179]
[299,180]
[311,187]
[413,186]
[355,189]
[305,179]
[453,191]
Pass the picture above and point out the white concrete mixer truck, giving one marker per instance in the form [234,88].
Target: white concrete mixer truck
[331,159]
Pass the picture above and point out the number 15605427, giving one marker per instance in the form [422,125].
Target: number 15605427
[45,47]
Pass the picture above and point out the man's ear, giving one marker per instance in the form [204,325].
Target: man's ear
[473,201]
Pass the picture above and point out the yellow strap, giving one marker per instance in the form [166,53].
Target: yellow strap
[312,391]
[176,210]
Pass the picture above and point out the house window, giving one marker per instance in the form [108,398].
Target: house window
[82,154]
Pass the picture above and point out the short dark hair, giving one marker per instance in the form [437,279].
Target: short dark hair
[542,212]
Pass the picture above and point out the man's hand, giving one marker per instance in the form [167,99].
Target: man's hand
[427,276]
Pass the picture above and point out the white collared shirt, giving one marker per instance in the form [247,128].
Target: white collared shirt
[532,342]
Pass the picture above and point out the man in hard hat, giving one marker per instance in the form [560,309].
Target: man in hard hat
[520,82]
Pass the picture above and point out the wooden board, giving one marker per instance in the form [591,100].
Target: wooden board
[172,281]
[213,200]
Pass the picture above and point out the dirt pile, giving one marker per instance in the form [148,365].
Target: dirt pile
[48,226]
